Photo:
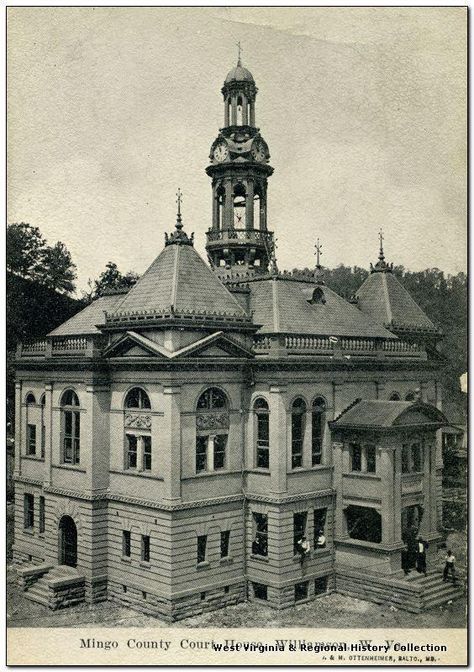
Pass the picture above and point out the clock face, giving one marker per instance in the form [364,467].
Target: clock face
[221,152]
[259,152]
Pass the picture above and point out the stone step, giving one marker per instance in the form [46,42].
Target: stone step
[38,597]
[440,599]
[439,588]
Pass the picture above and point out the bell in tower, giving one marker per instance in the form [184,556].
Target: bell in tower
[239,239]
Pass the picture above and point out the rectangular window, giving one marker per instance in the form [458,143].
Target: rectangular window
[31,440]
[132,451]
[220,442]
[405,459]
[321,585]
[371,460]
[416,457]
[29,511]
[201,549]
[126,543]
[297,433]
[299,529]
[319,528]
[146,453]
[225,539]
[42,515]
[260,592]
[260,542]
[201,453]
[316,438]
[301,591]
[356,457]
[145,548]
[263,441]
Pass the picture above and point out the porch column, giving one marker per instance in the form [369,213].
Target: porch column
[340,527]
[278,439]
[387,472]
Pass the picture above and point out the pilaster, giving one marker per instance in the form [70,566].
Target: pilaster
[18,426]
[48,425]
[171,448]
[278,439]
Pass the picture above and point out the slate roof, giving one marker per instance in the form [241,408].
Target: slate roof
[84,323]
[179,277]
[379,414]
[385,300]
[281,306]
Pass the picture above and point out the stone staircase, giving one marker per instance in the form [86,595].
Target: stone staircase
[55,587]
[434,591]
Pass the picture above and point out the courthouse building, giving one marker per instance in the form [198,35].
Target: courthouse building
[176,442]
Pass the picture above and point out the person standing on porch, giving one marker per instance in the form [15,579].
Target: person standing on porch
[303,548]
[421,556]
[449,567]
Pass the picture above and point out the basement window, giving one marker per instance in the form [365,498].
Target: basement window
[301,591]
[260,592]
[321,585]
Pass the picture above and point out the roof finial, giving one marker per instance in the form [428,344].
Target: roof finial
[273,259]
[318,273]
[179,200]
[239,51]
[179,237]
[381,238]
[381,266]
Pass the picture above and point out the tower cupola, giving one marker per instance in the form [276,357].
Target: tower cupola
[239,169]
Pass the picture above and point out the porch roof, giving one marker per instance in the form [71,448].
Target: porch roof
[388,415]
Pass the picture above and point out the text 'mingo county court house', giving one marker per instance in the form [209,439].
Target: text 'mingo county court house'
[177,441]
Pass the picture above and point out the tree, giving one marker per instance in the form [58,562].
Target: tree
[111,279]
[58,269]
[29,257]
[25,245]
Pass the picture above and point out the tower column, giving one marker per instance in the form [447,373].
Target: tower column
[263,209]
[228,206]
[252,113]
[244,111]
[215,208]
[226,112]
[249,205]
[234,110]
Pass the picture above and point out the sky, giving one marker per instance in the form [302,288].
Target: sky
[111,109]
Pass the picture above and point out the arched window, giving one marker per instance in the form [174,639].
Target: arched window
[239,111]
[239,206]
[43,426]
[30,424]
[410,396]
[212,428]
[317,297]
[137,398]
[298,422]
[70,427]
[138,455]
[262,415]
[395,397]
[318,422]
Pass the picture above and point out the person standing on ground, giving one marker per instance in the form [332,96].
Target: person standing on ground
[421,556]
[449,566]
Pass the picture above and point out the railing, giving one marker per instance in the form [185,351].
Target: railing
[240,235]
[333,345]
[70,344]
[33,348]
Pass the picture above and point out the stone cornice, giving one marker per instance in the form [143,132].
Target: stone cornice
[289,499]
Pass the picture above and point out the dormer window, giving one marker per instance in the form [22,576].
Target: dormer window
[317,297]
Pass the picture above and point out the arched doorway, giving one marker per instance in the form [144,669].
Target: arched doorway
[67,542]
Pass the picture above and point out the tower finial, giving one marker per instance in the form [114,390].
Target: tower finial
[239,52]
[318,253]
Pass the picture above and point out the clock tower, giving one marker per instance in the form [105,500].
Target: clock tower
[239,239]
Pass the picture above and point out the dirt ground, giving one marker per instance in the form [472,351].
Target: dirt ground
[329,611]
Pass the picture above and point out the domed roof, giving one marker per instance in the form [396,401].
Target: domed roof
[239,74]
